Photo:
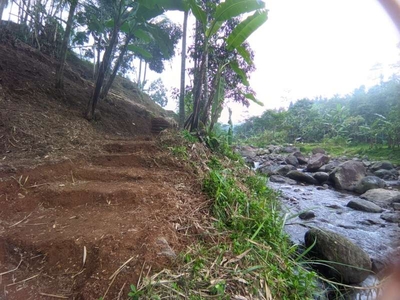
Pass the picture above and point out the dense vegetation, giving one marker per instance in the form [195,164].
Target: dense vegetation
[364,117]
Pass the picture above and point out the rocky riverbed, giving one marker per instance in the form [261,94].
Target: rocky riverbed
[350,208]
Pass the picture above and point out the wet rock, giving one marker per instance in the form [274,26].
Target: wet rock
[307,215]
[317,161]
[329,167]
[369,183]
[386,165]
[347,175]
[248,151]
[347,262]
[364,205]
[321,177]
[387,174]
[300,157]
[301,177]
[318,150]
[391,217]
[292,160]
[383,198]
[282,179]
[277,170]
[396,206]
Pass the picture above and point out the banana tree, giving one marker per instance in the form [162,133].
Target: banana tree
[210,24]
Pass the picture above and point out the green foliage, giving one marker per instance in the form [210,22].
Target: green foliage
[256,225]
[134,294]
[158,92]
[364,117]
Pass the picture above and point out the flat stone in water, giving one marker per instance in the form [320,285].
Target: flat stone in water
[364,205]
[391,217]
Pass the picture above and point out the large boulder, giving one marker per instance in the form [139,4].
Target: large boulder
[347,175]
[300,157]
[282,179]
[329,167]
[292,160]
[248,151]
[301,177]
[386,165]
[318,150]
[277,170]
[387,174]
[383,198]
[322,177]
[369,183]
[290,149]
[364,205]
[317,161]
[346,261]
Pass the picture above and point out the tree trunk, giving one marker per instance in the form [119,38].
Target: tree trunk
[105,64]
[183,69]
[64,46]
[140,74]
[110,81]
[144,73]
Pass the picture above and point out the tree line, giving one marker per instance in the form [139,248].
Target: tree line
[114,32]
[365,116]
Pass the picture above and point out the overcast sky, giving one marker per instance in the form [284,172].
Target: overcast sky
[313,47]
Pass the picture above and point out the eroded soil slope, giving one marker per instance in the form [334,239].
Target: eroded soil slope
[134,202]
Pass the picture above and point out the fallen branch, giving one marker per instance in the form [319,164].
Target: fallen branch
[54,296]
[19,222]
[7,272]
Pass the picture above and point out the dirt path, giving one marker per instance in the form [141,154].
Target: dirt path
[133,202]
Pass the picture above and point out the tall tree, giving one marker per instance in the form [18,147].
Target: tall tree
[64,46]
[183,71]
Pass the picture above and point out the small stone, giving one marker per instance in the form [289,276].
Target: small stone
[307,215]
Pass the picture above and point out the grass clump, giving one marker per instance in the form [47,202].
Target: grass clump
[242,251]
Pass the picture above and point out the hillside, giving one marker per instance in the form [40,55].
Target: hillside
[87,208]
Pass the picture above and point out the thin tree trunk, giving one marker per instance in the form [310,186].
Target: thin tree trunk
[64,46]
[144,73]
[3,4]
[105,64]
[140,74]
[110,81]
[183,69]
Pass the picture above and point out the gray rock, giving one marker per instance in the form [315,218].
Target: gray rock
[277,170]
[300,157]
[391,217]
[329,167]
[396,206]
[318,150]
[387,174]
[364,205]
[292,160]
[301,177]
[369,183]
[347,175]
[282,179]
[321,177]
[347,262]
[307,215]
[317,161]
[261,152]
[383,198]
[248,151]
[290,149]
[386,165]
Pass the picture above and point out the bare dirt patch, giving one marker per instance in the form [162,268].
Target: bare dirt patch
[118,206]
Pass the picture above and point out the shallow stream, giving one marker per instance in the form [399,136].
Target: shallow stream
[376,236]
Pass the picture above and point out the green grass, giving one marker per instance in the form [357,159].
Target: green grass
[243,249]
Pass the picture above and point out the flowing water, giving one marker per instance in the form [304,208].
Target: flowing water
[373,234]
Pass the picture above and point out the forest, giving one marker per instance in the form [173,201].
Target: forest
[366,116]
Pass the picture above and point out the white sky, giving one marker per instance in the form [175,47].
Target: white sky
[310,48]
